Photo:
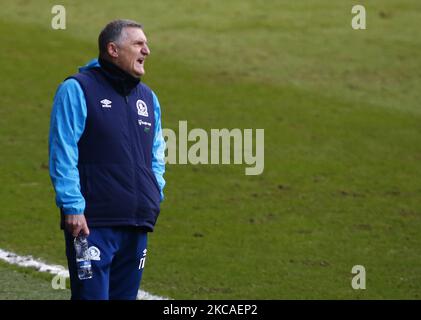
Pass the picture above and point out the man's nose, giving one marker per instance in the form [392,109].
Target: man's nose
[145,50]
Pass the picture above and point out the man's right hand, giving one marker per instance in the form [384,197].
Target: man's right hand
[75,224]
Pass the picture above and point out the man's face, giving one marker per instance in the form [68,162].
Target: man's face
[132,51]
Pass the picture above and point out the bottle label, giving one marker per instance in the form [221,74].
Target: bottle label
[84,264]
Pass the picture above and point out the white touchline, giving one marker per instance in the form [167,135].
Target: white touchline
[30,262]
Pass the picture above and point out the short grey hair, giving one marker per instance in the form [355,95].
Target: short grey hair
[112,33]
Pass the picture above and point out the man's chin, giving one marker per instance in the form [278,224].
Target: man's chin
[138,73]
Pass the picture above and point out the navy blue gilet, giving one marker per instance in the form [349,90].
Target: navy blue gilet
[115,154]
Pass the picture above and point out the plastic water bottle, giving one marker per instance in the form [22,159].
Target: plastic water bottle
[83,261]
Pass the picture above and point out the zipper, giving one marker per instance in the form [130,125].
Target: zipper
[126,98]
[129,130]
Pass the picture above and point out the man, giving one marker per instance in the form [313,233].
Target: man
[106,162]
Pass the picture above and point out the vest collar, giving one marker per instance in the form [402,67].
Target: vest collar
[121,81]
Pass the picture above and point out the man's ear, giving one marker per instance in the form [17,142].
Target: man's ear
[112,49]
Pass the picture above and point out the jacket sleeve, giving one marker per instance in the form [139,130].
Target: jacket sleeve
[67,123]
[158,149]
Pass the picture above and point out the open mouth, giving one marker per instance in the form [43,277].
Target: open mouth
[140,61]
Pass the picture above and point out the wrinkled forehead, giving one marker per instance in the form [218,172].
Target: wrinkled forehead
[133,34]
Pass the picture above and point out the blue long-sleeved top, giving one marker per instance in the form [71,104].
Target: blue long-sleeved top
[67,124]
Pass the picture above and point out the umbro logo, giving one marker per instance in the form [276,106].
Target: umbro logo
[105,103]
